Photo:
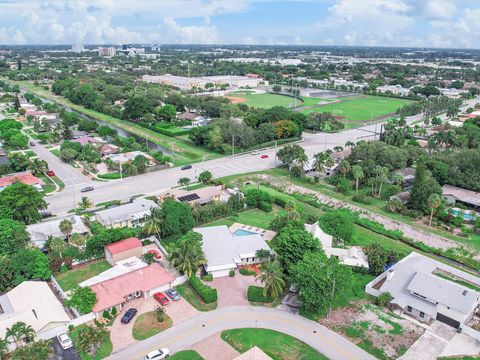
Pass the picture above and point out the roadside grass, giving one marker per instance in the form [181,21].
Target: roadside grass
[48,185]
[186,355]
[59,182]
[108,203]
[30,153]
[146,325]
[189,294]
[253,217]
[104,350]
[71,278]
[55,152]
[277,345]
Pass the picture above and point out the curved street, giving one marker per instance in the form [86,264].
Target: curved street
[191,331]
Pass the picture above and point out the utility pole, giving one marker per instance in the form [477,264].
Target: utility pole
[325,144]
[121,175]
[276,145]
[203,162]
[188,67]
[74,200]
[233,145]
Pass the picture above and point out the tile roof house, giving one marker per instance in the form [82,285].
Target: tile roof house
[225,251]
[25,177]
[33,303]
[427,289]
[132,214]
[40,232]
[108,149]
[452,194]
[123,249]
[143,282]
[84,140]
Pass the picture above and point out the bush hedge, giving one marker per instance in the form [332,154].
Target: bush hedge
[207,293]
[208,277]
[109,176]
[262,205]
[247,272]
[255,294]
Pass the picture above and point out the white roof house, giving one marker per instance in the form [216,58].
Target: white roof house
[225,250]
[353,256]
[132,214]
[122,267]
[33,303]
[40,232]
[428,289]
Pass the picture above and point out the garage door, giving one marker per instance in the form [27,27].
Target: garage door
[220,273]
[448,320]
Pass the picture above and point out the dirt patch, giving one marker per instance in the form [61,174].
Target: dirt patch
[236,99]
[376,330]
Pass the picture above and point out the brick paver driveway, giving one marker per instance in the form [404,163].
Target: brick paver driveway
[180,310]
[232,291]
[214,348]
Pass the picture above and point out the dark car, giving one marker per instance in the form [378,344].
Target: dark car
[173,294]
[32,143]
[86,189]
[186,167]
[128,316]
[45,214]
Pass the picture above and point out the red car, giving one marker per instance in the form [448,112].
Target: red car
[264,156]
[161,298]
[51,173]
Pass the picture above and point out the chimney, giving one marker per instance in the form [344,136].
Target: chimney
[390,274]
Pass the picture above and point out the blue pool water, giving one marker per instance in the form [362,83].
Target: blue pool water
[241,232]
[466,215]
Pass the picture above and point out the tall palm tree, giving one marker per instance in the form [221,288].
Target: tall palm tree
[300,162]
[3,348]
[57,245]
[85,203]
[344,167]
[434,201]
[65,227]
[38,166]
[358,174]
[322,161]
[19,331]
[188,256]
[153,225]
[271,277]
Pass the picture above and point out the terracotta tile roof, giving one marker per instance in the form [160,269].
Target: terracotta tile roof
[26,177]
[123,245]
[113,292]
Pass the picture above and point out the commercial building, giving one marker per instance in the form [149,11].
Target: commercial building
[132,214]
[190,83]
[106,51]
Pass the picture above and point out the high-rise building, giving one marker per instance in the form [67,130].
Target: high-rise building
[78,48]
[106,51]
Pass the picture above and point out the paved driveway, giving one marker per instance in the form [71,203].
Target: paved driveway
[180,310]
[214,348]
[58,353]
[232,291]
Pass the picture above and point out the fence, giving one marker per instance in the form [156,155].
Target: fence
[471,332]
[82,319]
[57,286]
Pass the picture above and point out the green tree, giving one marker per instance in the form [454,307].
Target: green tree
[13,236]
[358,174]
[322,161]
[271,277]
[3,349]
[90,338]
[85,203]
[423,186]
[188,255]
[57,246]
[339,224]
[177,217]
[30,264]
[19,331]
[66,227]
[184,181]
[38,167]
[289,153]
[167,112]
[434,201]
[344,167]
[153,225]
[82,299]
[34,351]
[205,177]
[141,163]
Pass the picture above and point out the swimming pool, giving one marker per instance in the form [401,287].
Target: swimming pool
[468,215]
[242,232]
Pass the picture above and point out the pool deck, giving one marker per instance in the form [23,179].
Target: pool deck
[267,234]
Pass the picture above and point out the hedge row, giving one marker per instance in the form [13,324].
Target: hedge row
[255,294]
[247,272]
[171,132]
[207,293]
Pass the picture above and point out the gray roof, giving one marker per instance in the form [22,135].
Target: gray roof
[138,209]
[40,232]
[463,195]
[443,291]
[223,249]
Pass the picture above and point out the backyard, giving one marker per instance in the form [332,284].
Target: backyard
[276,345]
[70,279]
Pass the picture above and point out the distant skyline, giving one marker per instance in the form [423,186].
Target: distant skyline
[409,23]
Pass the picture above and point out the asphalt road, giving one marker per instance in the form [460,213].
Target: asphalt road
[189,332]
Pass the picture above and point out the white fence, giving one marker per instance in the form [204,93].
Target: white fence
[82,319]
[57,286]
[179,280]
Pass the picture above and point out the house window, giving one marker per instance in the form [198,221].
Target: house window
[409,308]
[422,314]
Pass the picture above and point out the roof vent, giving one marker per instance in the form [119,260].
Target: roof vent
[464,293]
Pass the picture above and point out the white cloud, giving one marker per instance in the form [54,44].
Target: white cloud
[173,32]
[438,9]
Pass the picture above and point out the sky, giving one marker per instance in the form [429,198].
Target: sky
[409,23]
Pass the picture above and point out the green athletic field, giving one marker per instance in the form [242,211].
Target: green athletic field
[267,100]
[362,108]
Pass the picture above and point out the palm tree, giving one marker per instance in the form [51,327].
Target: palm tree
[19,331]
[188,255]
[66,227]
[271,277]
[38,166]
[381,177]
[434,201]
[77,239]
[349,144]
[184,181]
[300,162]
[344,167]
[153,225]
[321,161]
[57,245]
[85,203]
[358,174]
[3,348]
[338,148]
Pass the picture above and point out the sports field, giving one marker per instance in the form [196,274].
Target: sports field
[361,108]
[263,100]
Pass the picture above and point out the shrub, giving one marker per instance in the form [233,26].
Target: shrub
[280,201]
[106,315]
[114,311]
[207,293]
[384,299]
[64,268]
[160,314]
[262,205]
[255,196]
[208,277]
[247,272]
[110,176]
[255,294]
[362,199]
[231,273]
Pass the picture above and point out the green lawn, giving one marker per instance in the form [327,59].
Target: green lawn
[254,217]
[186,355]
[68,280]
[48,185]
[277,345]
[189,294]
[104,350]
[362,108]
[266,101]
[55,152]
[146,325]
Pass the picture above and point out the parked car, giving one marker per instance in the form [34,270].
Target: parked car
[65,341]
[32,143]
[255,153]
[158,354]
[86,189]
[45,214]
[186,167]
[264,156]
[161,298]
[173,294]
[51,173]
[128,316]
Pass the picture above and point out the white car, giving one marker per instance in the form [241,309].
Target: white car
[255,153]
[65,341]
[158,354]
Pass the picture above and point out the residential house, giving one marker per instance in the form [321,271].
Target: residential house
[84,140]
[353,256]
[453,194]
[407,174]
[123,249]
[126,157]
[33,303]
[40,232]
[427,289]
[120,290]
[132,214]
[403,197]
[225,251]
[108,149]
[201,196]
[338,156]
[25,177]
[78,134]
